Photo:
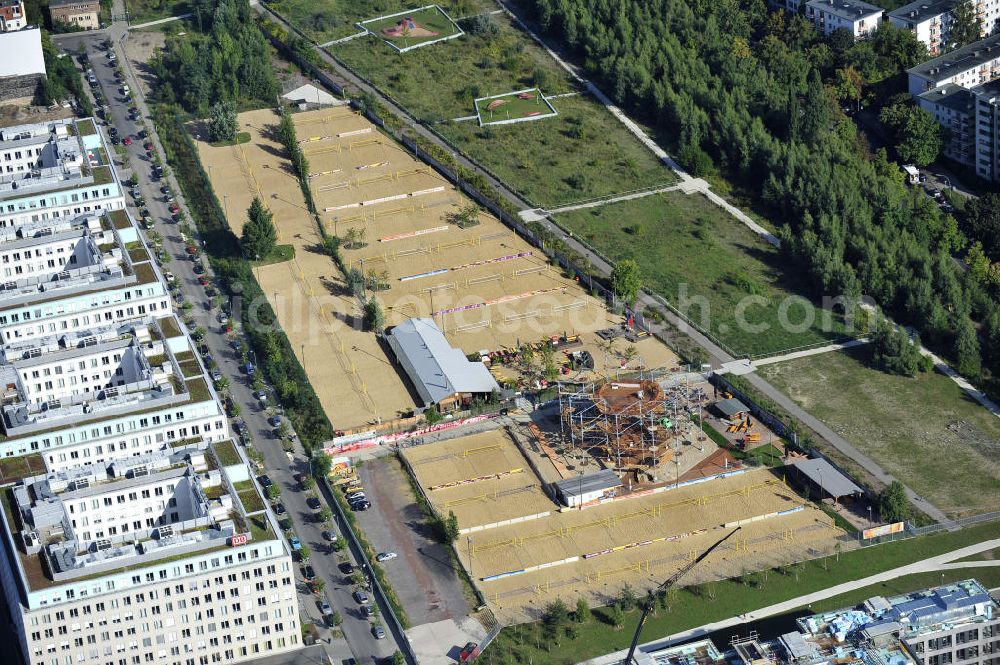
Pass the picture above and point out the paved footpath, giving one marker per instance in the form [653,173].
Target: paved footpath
[934,563]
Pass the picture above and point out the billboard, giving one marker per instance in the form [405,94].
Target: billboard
[884,530]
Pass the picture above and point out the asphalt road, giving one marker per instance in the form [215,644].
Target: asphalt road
[357,630]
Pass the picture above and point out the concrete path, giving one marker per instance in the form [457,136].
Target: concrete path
[159,22]
[615,199]
[343,40]
[810,352]
[963,383]
[927,565]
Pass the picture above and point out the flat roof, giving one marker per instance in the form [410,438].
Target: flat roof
[595,482]
[959,60]
[437,369]
[831,481]
[851,10]
[952,96]
[922,10]
[27,44]
[730,407]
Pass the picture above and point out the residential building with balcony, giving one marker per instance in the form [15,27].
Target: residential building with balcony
[856,16]
[954,108]
[931,20]
[131,528]
[55,170]
[968,67]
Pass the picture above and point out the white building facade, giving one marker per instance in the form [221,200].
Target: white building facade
[856,16]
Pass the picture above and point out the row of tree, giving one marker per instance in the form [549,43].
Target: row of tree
[757,98]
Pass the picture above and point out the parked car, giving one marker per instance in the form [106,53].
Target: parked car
[368,611]
[325,608]
[264,481]
[308,573]
[346,567]
[279,509]
[361,506]
[385,556]
[378,632]
[274,421]
[127,140]
[329,536]
[216,375]
[295,543]
[355,496]
[314,503]
[260,395]
[360,597]
[198,269]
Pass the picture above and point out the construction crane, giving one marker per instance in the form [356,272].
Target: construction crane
[651,599]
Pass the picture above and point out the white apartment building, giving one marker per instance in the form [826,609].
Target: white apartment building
[856,16]
[55,170]
[131,530]
[969,66]
[931,20]
[165,558]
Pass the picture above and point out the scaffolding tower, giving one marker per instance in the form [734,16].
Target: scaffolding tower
[629,426]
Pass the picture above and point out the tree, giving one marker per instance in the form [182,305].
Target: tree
[815,110]
[967,350]
[336,618]
[966,25]
[321,464]
[980,220]
[304,552]
[616,615]
[273,492]
[556,614]
[627,598]
[222,122]
[259,234]
[626,281]
[374,318]
[917,135]
[892,351]
[325,514]
[451,531]
[893,504]
[582,612]
[849,85]
[398,658]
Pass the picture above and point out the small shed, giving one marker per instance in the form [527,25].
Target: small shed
[584,489]
[731,409]
[821,475]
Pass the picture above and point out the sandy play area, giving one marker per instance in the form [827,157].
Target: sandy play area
[483,479]
[484,286]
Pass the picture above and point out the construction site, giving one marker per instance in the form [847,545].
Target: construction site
[422,250]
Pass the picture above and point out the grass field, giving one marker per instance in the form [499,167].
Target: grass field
[143,11]
[442,83]
[926,431]
[430,20]
[584,153]
[696,606]
[686,242]
[513,106]
[328,21]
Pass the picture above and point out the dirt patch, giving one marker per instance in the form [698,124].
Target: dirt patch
[139,49]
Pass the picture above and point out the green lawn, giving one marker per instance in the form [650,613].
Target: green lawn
[279,254]
[686,245]
[430,19]
[513,107]
[143,11]
[527,643]
[583,153]
[442,83]
[926,431]
[324,22]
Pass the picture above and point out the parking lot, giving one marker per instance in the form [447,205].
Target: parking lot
[423,573]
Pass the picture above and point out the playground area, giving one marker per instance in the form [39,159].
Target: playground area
[511,107]
[483,478]
[413,28]
[642,539]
